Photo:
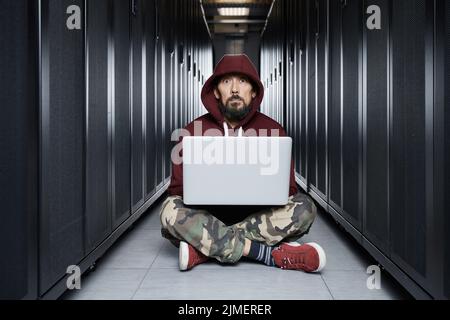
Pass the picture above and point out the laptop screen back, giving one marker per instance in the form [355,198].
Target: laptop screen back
[236,170]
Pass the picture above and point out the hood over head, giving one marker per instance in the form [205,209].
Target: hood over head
[232,64]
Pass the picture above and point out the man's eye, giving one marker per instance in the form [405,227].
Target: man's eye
[243,81]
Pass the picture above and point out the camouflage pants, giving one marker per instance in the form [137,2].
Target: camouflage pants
[213,238]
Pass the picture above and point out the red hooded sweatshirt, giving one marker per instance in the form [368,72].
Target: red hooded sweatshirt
[215,119]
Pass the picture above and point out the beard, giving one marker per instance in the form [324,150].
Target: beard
[232,113]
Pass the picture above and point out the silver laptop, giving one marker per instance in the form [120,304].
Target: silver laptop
[236,170]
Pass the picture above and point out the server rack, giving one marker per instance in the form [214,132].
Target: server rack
[19,26]
[90,92]
[442,134]
[371,125]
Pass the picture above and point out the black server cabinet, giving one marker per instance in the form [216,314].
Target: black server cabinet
[351,121]
[386,121]
[321,52]
[198,103]
[276,81]
[272,94]
[190,97]
[121,135]
[159,94]
[440,235]
[179,50]
[187,84]
[273,77]
[272,107]
[296,85]
[168,82]
[19,144]
[303,170]
[150,38]
[138,105]
[335,106]
[98,220]
[62,142]
[197,75]
[299,104]
[411,136]
[182,63]
[311,83]
[317,96]
[83,130]
[174,83]
[279,66]
[376,129]
[194,106]
[444,7]
[289,72]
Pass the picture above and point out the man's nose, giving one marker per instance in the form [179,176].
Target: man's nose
[234,87]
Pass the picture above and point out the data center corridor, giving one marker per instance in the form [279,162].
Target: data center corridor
[92,92]
[143,265]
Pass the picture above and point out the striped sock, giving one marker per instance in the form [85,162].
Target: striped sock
[261,252]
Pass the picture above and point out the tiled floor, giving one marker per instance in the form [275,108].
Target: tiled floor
[142,265]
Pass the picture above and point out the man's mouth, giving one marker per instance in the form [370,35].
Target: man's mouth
[234,100]
[235,103]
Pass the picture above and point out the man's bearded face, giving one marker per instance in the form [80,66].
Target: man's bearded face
[234,93]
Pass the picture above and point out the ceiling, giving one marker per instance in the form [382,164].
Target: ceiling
[238,2]
[236,25]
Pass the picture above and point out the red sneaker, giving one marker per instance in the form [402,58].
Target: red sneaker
[309,257]
[189,256]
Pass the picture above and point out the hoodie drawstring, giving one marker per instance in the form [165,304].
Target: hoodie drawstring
[225,129]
